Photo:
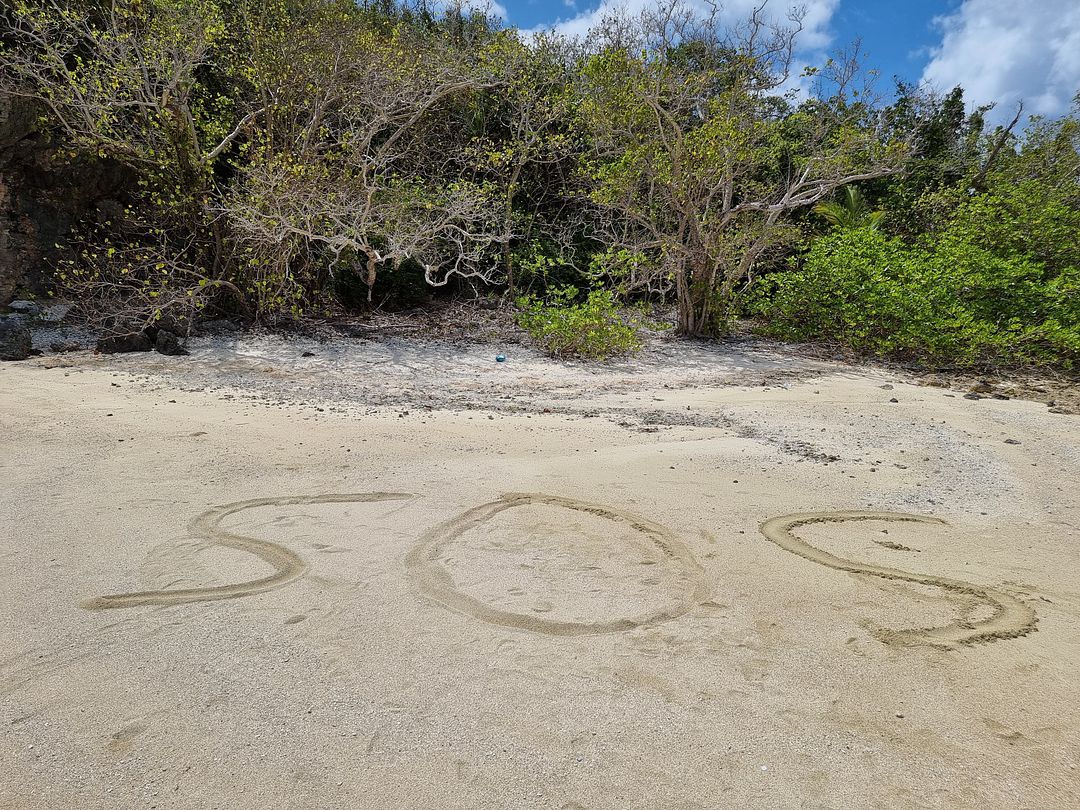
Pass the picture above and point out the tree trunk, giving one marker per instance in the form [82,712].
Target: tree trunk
[508,263]
[508,214]
[372,261]
[694,288]
[685,321]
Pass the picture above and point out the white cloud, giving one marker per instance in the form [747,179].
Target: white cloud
[1006,50]
[490,7]
[814,37]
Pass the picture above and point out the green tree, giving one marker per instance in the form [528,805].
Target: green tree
[695,165]
[153,86]
[358,161]
[528,135]
[851,210]
[998,280]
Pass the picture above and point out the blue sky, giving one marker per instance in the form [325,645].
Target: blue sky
[897,36]
[998,50]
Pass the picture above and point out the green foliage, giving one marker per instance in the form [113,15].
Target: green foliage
[986,267]
[697,164]
[540,266]
[593,329]
[850,210]
[948,300]
[948,146]
[290,155]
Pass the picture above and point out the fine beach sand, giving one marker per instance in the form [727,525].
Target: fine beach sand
[389,575]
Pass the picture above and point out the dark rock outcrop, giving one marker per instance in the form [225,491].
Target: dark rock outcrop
[42,196]
[168,343]
[131,335]
[129,342]
[15,342]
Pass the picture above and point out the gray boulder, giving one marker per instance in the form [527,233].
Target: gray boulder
[31,308]
[55,313]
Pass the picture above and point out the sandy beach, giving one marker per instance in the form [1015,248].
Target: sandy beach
[384,574]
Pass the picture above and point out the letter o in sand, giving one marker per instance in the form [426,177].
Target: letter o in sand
[619,571]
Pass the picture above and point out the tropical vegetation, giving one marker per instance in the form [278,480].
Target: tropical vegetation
[290,158]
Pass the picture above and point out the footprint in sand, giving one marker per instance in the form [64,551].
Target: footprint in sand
[122,740]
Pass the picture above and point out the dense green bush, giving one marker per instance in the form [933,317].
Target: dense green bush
[595,328]
[295,157]
[946,299]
